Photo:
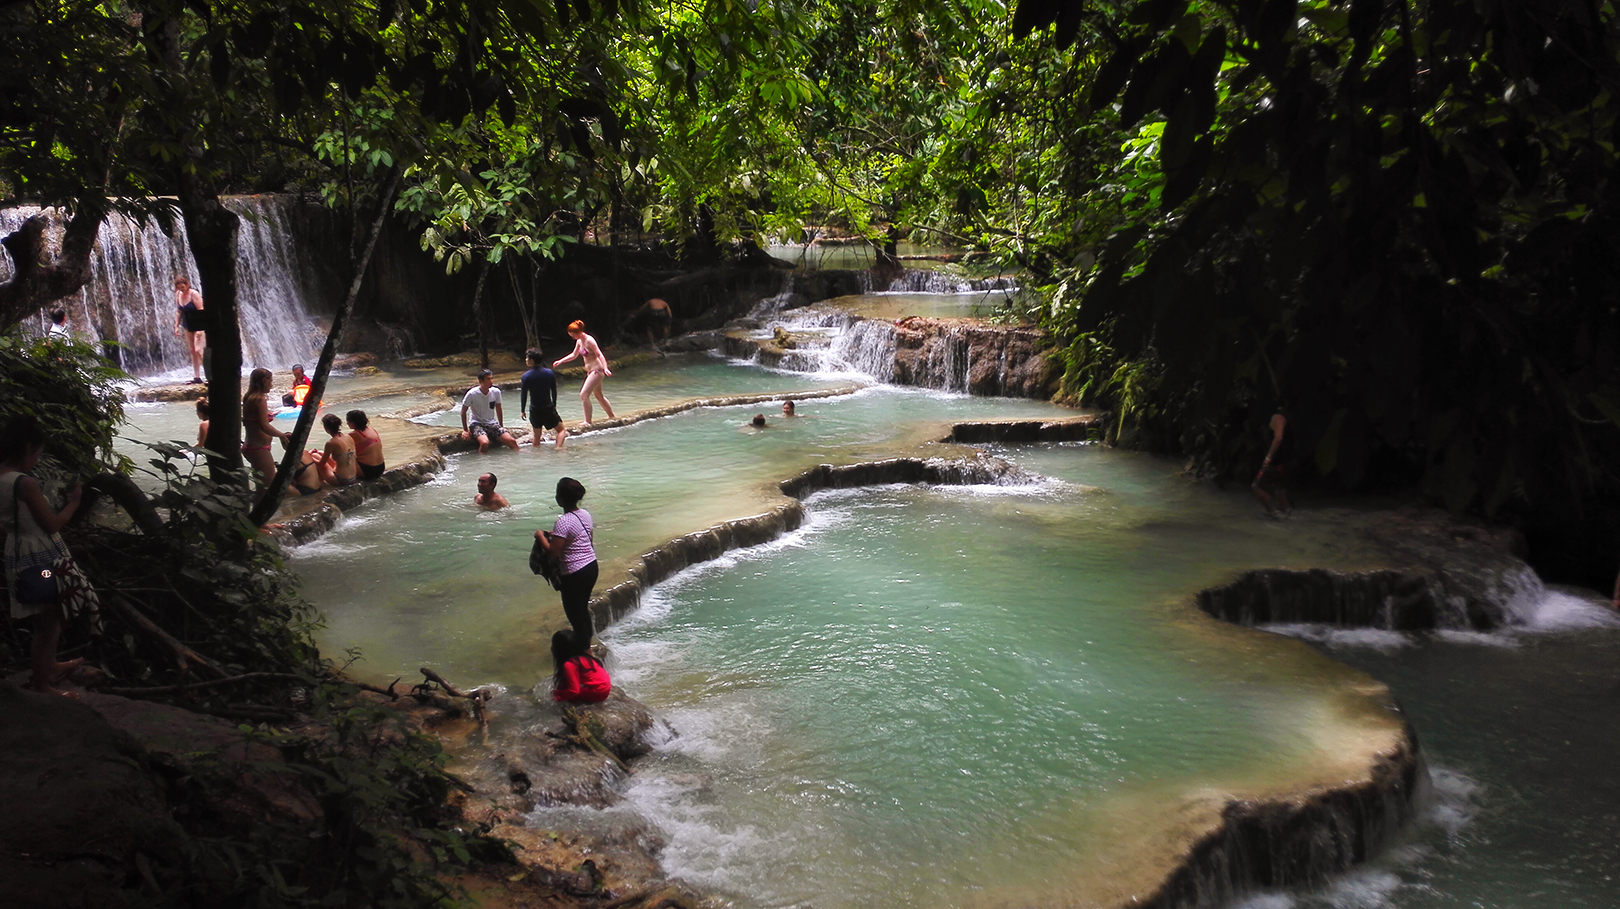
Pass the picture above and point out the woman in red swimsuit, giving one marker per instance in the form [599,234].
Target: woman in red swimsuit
[368,451]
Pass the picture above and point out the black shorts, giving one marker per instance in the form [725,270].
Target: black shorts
[547,418]
[371,471]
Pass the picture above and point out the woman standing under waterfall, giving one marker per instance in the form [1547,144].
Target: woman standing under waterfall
[188,317]
[590,355]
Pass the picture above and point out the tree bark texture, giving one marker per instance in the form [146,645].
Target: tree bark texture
[40,279]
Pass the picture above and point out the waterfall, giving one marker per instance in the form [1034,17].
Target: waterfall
[929,281]
[866,346]
[782,299]
[129,300]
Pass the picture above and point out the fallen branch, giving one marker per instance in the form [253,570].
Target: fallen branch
[183,654]
[585,738]
[478,696]
[194,686]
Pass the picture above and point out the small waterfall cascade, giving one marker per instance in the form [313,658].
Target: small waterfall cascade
[784,298]
[945,361]
[867,346]
[129,301]
[929,281]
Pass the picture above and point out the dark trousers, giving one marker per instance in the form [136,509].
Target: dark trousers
[576,597]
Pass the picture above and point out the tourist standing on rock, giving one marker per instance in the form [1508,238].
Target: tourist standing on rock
[188,317]
[537,397]
[338,467]
[487,497]
[257,427]
[596,368]
[577,676]
[1270,484]
[483,401]
[572,542]
[41,578]
[368,451]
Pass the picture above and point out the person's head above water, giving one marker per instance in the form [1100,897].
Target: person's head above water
[486,483]
[758,420]
[569,493]
[788,409]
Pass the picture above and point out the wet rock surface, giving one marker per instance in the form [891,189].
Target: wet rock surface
[1005,362]
[1444,573]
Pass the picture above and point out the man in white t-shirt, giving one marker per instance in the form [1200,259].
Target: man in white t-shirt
[484,402]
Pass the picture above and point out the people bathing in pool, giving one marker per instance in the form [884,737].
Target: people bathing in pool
[487,497]
[789,409]
[590,355]
[368,453]
[483,402]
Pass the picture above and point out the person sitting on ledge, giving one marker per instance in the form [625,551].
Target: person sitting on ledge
[578,677]
[487,497]
[202,423]
[338,468]
[367,445]
[484,402]
[300,388]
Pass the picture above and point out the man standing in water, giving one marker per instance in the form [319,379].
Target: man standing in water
[484,402]
[540,382]
[1270,484]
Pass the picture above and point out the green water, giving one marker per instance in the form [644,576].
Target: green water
[932,696]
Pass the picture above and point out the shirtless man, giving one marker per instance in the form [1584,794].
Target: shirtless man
[654,316]
[596,368]
[487,497]
[484,402]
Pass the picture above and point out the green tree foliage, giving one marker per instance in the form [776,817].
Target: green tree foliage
[1396,216]
[73,392]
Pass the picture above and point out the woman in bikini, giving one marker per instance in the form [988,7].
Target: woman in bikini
[368,453]
[596,368]
[257,428]
[337,464]
[188,317]
[309,477]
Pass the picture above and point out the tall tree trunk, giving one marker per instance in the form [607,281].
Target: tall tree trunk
[271,501]
[212,228]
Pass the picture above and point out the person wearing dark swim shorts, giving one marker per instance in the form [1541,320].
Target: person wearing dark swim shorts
[368,453]
[540,383]
[189,317]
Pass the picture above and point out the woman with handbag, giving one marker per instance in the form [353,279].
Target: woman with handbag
[40,575]
[572,542]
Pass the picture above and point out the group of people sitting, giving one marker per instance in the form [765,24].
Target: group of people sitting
[346,459]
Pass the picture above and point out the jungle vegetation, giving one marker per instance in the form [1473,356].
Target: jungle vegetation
[1396,216]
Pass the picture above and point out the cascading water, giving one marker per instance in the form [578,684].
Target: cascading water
[129,300]
[928,281]
[866,346]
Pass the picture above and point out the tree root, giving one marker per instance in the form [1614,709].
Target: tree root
[584,737]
